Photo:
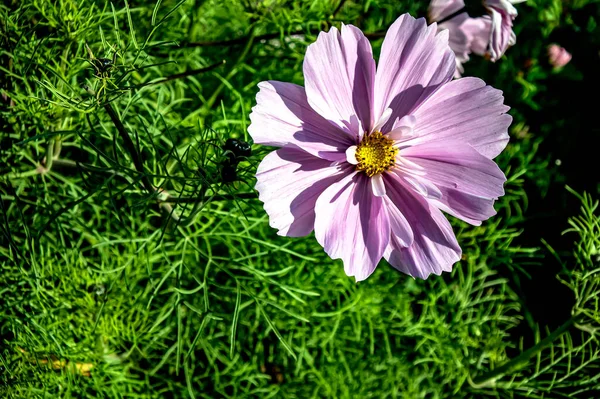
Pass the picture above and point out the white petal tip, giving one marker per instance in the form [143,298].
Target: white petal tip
[351,155]
[378,185]
[385,117]
[407,120]
[401,133]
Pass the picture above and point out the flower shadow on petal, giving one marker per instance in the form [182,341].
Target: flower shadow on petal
[407,101]
[434,249]
[311,122]
[351,224]
[302,207]
[358,97]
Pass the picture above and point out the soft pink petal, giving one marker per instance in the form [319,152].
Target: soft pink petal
[352,224]
[458,40]
[506,6]
[502,13]
[467,35]
[408,121]
[414,63]
[282,116]
[434,248]
[383,119]
[478,29]
[469,208]
[400,133]
[468,182]
[377,185]
[403,129]
[457,165]
[339,71]
[465,110]
[499,34]
[400,228]
[440,9]
[422,186]
[289,181]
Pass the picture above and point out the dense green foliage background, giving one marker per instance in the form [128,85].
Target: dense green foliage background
[111,288]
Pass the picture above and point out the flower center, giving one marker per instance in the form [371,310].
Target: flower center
[375,154]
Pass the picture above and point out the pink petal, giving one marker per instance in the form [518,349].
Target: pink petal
[403,129]
[467,35]
[501,34]
[478,29]
[377,185]
[383,119]
[469,208]
[458,40]
[282,116]
[352,224]
[401,231]
[456,165]
[407,120]
[440,9]
[422,186]
[414,62]
[289,181]
[467,181]
[434,248]
[339,71]
[465,110]
[506,6]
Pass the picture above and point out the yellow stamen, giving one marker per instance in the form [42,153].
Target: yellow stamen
[375,154]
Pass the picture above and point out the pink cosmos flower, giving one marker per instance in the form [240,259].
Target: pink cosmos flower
[558,56]
[466,34]
[369,157]
[503,14]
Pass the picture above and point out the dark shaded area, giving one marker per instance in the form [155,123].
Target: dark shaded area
[568,121]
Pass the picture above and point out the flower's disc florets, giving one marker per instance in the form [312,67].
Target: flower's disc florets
[375,154]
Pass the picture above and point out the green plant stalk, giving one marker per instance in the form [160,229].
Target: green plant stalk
[137,162]
[521,360]
[50,155]
[185,74]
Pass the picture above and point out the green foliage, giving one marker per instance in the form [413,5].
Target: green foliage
[130,268]
[582,276]
[567,361]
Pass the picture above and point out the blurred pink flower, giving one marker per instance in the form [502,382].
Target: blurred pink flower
[503,14]
[369,157]
[558,56]
[466,34]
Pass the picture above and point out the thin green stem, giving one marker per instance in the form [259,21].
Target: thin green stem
[137,162]
[50,154]
[338,8]
[185,74]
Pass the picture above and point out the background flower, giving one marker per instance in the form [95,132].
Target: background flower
[503,13]
[466,34]
[558,56]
